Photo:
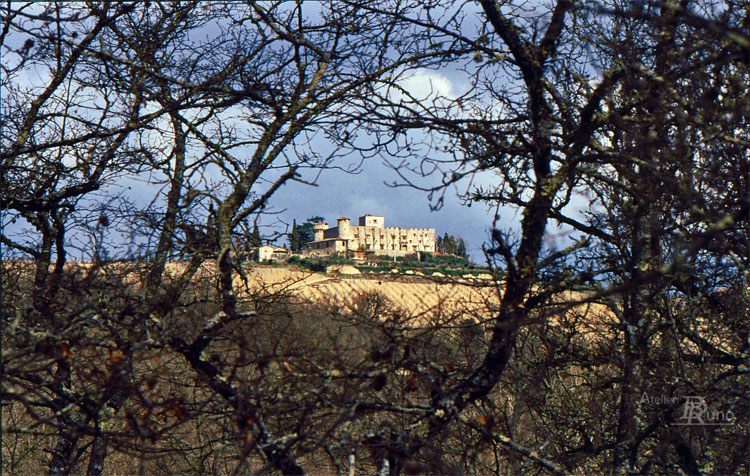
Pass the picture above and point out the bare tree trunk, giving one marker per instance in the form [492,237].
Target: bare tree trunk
[63,452]
[98,455]
[99,447]
[166,236]
[67,438]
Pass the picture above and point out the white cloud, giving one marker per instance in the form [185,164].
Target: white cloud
[428,85]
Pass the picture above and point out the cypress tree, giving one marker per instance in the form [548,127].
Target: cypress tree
[461,248]
[294,243]
[451,245]
[255,239]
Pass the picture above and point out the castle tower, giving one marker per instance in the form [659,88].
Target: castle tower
[372,220]
[319,229]
[345,231]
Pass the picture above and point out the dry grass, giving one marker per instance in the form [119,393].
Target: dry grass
[415,295]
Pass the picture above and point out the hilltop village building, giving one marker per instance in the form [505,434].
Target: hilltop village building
[370,235]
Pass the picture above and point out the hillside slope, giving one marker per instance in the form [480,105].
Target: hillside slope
[416,295]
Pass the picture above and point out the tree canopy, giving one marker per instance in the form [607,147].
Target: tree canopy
[306,230]
[450,244]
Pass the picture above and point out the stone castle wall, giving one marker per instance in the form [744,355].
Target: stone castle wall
[377,238]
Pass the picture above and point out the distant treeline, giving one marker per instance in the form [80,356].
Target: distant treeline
[450,244]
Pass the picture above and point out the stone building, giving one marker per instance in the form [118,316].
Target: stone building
[370,235]
[264,253]
[270,253]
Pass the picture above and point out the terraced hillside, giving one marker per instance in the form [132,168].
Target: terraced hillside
[414,294]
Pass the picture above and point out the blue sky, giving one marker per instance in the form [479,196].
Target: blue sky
[342,194]
[352,195]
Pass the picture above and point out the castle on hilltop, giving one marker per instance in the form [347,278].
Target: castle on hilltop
[370,235]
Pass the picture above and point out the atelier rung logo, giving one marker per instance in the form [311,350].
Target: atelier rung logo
[695,412]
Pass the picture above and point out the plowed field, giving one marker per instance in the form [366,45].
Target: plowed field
[414,294]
